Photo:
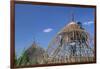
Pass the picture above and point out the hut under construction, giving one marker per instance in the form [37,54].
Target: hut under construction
[70,45]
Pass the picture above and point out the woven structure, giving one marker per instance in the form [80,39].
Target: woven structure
[70,45]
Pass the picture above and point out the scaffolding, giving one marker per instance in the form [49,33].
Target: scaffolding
[70,45]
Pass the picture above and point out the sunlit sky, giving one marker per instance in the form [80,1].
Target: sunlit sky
[41,23]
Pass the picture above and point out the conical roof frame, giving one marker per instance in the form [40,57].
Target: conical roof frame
[70,26]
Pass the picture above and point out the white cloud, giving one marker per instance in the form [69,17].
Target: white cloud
[47,30]
[88,23]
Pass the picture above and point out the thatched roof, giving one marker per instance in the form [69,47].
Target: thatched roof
[70,26]
[35,53]
[73,31]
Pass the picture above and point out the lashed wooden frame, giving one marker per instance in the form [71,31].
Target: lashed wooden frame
[12,32]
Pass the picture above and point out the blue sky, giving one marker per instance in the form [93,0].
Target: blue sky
[41,23]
